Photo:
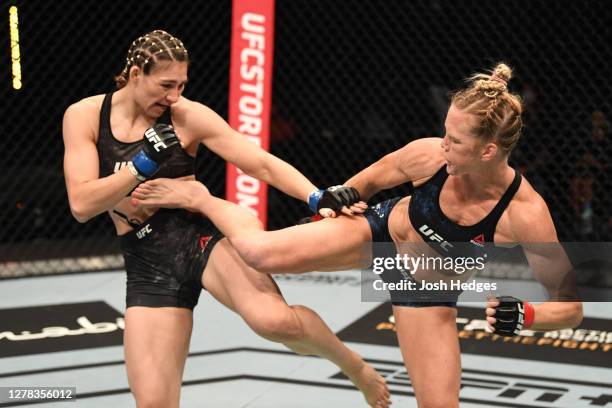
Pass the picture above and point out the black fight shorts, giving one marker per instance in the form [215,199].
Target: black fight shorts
[378,218]
[165,258]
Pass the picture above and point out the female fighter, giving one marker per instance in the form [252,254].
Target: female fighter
[464,191]
[170,255]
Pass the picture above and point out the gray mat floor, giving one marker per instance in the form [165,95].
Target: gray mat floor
[230,367]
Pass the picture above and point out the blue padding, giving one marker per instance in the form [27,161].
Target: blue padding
[144,164]
[314,198]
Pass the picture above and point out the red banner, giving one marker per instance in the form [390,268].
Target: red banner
[250,94]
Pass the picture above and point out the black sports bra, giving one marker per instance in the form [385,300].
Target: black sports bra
[444,235]
[114,154]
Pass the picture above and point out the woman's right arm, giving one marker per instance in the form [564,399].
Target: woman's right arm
[417,160]
[89,195]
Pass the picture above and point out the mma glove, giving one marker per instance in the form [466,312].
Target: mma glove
[512,315]
[334,197]
[160,142]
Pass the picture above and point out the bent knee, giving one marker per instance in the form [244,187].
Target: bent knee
[278,327]
[251,251]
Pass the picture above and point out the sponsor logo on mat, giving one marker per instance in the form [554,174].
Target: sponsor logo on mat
[589,345]
[64,327]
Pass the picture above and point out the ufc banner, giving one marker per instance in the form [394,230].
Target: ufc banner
[250,94]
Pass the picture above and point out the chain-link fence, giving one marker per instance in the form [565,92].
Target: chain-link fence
[71,50]
[353,80]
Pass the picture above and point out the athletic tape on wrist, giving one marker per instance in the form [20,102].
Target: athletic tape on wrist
[313,200]
[133,170]
[143,163]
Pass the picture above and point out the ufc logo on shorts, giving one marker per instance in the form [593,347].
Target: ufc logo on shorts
[153,137]
[428,232]
[144,231]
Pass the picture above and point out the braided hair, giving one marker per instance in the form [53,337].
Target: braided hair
[498,110]
[146,51]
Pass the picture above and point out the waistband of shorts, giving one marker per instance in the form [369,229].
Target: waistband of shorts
[160,217]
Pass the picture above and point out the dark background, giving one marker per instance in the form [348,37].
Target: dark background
[353,80]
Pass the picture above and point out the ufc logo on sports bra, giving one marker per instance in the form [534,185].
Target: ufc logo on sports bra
[152,136]
[428,232]
[144,231]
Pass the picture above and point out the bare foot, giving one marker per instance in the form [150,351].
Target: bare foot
[371,384]
[170,193]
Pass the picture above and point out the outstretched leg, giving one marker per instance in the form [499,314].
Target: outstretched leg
[330,244]
[259,302]
[231,219]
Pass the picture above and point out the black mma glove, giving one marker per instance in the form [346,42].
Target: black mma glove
[334,197]
[160,142]
[512,315]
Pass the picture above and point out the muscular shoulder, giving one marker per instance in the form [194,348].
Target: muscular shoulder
[87,106]
[195,117]
[195,121]
[421,159]
[530,217]
[83,117]
[189,114]
[185,107]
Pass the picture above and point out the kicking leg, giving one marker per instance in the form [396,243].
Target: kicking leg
[230,218]
[330,244]
[301,329]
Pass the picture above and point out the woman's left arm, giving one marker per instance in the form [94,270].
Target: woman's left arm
[534,229]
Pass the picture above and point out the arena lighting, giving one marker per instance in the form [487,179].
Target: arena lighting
[15,54]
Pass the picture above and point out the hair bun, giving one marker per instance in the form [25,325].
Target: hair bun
[501,74]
